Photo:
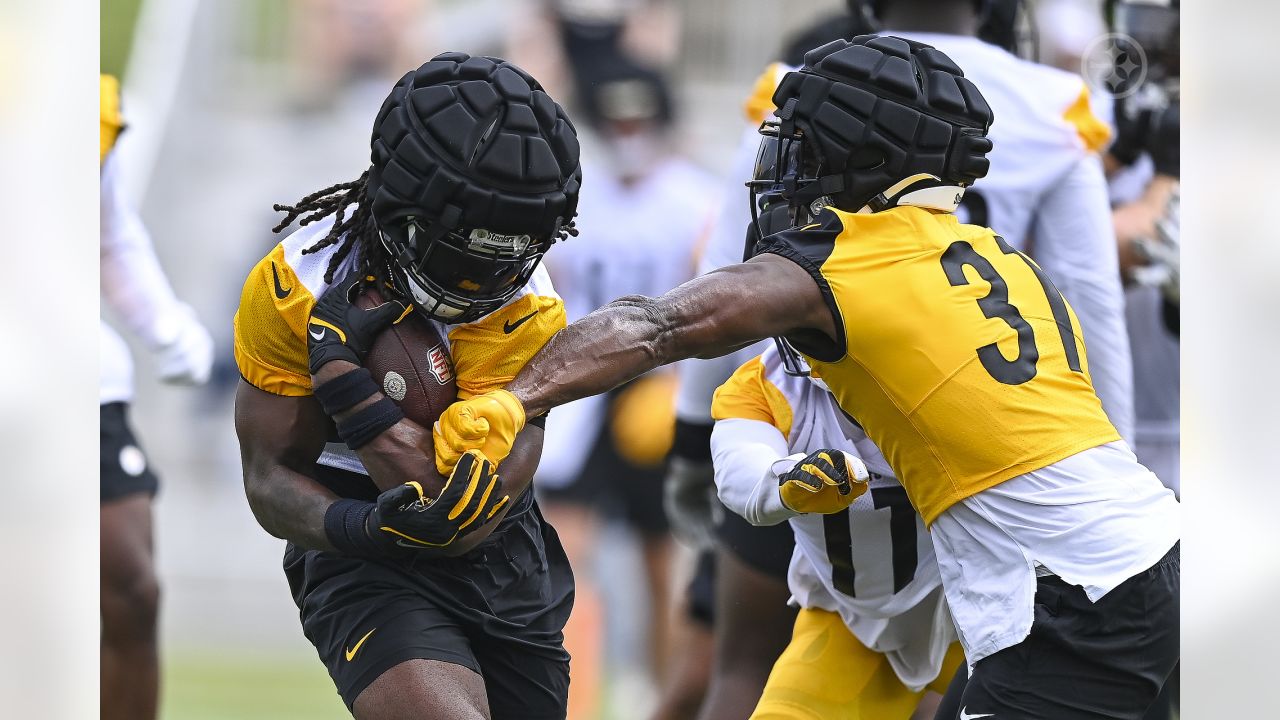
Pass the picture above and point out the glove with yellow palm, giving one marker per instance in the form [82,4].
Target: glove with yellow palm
[824,482]
[488,423]
[404,517]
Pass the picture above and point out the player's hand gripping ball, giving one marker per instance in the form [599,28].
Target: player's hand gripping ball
[488,423]
[405,517]
[339,329]
[825,482]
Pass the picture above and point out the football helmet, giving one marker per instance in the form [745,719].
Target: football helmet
[475,174]
[872,123]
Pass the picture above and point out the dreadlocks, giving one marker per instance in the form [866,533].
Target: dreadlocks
[357,230]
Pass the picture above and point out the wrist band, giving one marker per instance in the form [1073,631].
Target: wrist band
[344,526]
[369,422]
[347,390]
[692,440]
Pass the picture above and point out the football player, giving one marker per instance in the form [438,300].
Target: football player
[957,355]
[871,635]
[134,287]
[448,606]
[1045,182]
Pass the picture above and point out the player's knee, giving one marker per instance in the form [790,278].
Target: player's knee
[130,606]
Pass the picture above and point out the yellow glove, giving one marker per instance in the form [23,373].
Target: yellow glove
[488,423]
[825,482]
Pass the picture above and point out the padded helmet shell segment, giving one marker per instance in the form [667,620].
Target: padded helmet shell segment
[475,174]
[877,110]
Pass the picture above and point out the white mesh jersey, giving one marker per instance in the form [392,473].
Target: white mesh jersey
[1045,194]
[874,564]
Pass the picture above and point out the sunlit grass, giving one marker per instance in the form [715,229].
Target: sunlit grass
[201,686]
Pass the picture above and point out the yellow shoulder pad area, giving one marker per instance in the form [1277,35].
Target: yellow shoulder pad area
[759,104]
[1093,132]
[110,121]
[489,353]
[749,395]
[270,328]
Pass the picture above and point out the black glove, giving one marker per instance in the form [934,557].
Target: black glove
[404,519]
[824,482]
[338,330]
[471,497]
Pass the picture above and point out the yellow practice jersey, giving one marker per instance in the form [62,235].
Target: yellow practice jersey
[110,122]
[957,355]
[270,326]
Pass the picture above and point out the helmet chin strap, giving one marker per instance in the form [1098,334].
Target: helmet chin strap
[933,195]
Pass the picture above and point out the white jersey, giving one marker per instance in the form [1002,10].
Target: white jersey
[874,564]
[634,239]
[134,289]
[1045,193]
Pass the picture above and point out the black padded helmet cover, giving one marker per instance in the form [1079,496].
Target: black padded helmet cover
[876,111]
[486,165]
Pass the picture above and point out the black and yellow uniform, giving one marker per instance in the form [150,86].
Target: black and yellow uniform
[499,609]
[955,352]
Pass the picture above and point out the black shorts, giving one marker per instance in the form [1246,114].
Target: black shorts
[124,469]
[1107,659]
[498,610]
[766,548]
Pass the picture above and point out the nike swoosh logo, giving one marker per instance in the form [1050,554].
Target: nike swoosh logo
[966,716]
[351,652]
[317,335]
[280,291]
[509,327]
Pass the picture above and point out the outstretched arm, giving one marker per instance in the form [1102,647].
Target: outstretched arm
[705,317]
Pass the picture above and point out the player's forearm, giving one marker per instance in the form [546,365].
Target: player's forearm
[744,453]
[401,453]
[708,316]
[289,505]
[612,345]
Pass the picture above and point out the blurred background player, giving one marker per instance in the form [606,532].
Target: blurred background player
[646,217]
[139,298]
[1045,182]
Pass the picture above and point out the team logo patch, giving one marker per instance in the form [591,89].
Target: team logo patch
[394,385]
[441,367]
[132,461]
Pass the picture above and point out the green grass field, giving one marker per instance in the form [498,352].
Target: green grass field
[199,686]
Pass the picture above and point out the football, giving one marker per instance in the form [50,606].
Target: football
[410,362]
